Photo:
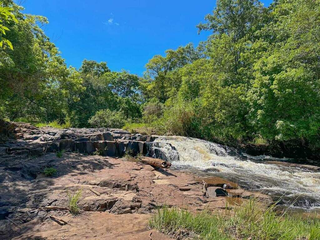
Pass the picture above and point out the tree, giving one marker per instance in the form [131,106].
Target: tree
[6,17]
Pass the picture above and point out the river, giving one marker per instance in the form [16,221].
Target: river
[293,186]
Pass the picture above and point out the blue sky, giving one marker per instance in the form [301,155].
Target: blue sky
[123,33]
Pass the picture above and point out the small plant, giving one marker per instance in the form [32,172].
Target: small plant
[98,152]
[130,156]
[73,202]
[50,172]
[60,153]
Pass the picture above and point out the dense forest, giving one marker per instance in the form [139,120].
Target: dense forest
[255,80]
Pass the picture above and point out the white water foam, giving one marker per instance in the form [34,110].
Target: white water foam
[291,182]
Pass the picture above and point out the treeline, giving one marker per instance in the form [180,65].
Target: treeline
[38,87]
[255,80]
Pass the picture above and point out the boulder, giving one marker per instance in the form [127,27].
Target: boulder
[220,192]
[107,136]
[121,148]
[96,137]
[100,146]
[211,192]
[84,147]
[111,149]
[96,204]
[66,145]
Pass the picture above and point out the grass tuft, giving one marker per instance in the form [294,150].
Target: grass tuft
[59,154]
[73,202]
[54,124]
[50,172]
[250,221]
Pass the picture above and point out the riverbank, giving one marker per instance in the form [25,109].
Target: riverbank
[117,197]
[92,183]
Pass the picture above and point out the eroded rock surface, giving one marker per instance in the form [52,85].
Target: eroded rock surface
[118,195]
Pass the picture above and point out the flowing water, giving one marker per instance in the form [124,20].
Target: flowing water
[295,186]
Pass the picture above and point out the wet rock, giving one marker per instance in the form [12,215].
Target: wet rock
[219,182]
[220,192]
[133,148]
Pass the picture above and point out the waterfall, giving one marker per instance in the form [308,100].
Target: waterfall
[294,185]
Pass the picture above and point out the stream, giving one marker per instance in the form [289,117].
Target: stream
[292,186]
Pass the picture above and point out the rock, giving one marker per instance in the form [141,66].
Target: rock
[120,185]
[107,136]
[142,148]
[220,192]
[125,207]
[219,182]
[94,204]
[111,149]
[54,147]
[134,148]
[99,146]
[96,137]
[37,151]
[85,147]
[89,147]
[211,192]
[31,137]
[121,148]
[80,147]
[66,144]
[4,213]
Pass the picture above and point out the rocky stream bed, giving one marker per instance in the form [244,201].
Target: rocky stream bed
[119,193]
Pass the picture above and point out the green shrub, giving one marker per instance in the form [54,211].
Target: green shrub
[54,124]
[49,172]
[107,118]
[142,128]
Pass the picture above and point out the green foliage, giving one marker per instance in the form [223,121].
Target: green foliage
[108,119]
[59,154]
[249,221]
[50,172]
[142,128]
[6,17]
[54,124]
[73,202]
[256,77]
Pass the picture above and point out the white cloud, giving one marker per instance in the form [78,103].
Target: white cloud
[111,22]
